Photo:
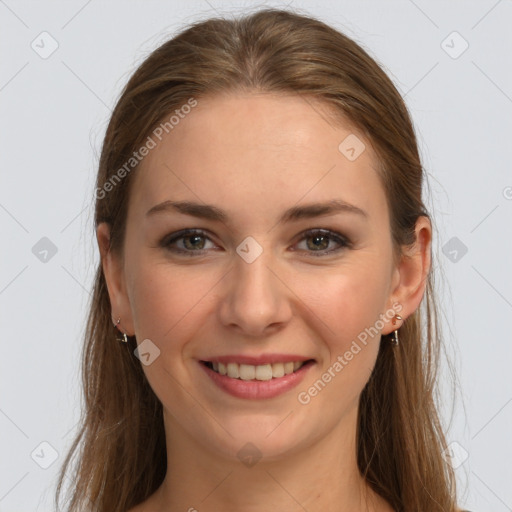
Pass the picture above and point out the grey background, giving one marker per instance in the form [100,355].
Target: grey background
[54,112]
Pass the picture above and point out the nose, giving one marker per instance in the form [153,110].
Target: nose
[257,300]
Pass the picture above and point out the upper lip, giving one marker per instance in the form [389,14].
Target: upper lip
[257,360]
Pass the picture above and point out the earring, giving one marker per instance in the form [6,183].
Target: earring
[394,338]
[124,337]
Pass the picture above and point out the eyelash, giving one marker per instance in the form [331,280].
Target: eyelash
[342,240]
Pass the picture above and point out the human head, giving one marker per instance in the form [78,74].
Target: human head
[279,53]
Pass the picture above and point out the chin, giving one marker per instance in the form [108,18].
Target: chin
[267,439]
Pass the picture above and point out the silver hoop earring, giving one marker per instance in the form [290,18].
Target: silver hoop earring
[394,337]
[124,337]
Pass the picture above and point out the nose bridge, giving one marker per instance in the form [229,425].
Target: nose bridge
[256,299]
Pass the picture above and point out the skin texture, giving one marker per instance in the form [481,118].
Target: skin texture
[254,156]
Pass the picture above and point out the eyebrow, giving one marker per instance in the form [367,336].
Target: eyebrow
[210,212]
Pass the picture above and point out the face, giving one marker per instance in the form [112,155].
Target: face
[263,278]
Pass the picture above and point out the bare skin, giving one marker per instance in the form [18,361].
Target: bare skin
[254,156]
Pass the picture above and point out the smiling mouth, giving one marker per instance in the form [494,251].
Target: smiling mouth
[258,372]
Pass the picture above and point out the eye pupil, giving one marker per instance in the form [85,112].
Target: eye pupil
[317,238]
[194,237]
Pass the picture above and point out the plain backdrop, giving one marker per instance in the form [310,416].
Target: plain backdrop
[63,66]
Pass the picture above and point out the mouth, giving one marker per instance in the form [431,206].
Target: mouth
[261,372]
[257,378]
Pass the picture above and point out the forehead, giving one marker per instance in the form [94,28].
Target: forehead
[268,151]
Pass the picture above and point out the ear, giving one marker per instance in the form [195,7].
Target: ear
[114,276]
[410,276]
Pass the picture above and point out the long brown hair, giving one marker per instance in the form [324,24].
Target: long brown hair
[118,458]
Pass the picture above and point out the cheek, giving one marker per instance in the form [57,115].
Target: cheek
[169,306]
[166,301]
[346,315]
[346,306]
[350,299]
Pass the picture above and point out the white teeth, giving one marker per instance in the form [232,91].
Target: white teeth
[260,372]
[288,368]
[264,372]
[247,371]
[277,370]
[233,371]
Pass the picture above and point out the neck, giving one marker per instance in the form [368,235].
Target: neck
[322,477]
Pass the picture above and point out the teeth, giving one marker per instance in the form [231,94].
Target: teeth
[263,372]
[247,371]
[277,370]
[260,372]
[233,371]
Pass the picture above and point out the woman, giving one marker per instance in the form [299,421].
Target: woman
[266,263]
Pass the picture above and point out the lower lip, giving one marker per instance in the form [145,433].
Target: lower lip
[258,389]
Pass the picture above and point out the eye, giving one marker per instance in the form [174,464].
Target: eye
[320,240]
[192,242]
